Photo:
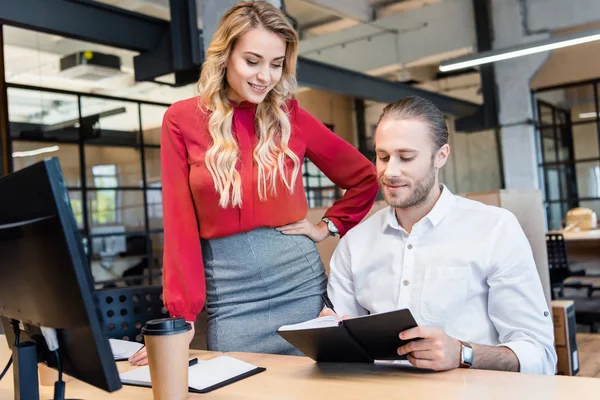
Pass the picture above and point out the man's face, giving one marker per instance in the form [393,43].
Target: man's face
[406,161]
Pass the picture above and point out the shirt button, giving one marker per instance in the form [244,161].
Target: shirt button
[546,313]
[410,246]
[406,282]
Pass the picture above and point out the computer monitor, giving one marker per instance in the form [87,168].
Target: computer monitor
[45,280]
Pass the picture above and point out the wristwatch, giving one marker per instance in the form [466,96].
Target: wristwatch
[333,230]
[466,355]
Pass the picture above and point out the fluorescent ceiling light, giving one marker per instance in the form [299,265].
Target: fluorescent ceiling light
[491,56]
[35,152]
[585,115]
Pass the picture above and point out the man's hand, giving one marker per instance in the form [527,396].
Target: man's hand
[141,357]
[317,233]
[435,350]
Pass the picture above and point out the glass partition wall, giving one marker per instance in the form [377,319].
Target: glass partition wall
[568,127]
[109,151]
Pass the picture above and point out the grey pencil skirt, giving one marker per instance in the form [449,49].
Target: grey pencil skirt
[256,282]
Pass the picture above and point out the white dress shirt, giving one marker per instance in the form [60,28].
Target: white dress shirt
[466,268]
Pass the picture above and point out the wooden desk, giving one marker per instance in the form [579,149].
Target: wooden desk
[290,377]
[578,236]
[583,249]
[588,346]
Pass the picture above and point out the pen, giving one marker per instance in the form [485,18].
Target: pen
[193,361]
[327,302]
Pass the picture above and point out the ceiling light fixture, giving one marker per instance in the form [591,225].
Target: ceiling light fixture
[491,56]
[35,152]
[586,115]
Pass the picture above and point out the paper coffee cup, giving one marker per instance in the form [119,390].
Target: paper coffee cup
[167,345]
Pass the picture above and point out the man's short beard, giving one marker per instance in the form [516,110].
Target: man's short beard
[422,190]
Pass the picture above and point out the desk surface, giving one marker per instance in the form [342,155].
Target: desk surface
[588,345]
[300,378]
[580,235]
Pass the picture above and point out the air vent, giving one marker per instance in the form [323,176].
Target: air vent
[90,66]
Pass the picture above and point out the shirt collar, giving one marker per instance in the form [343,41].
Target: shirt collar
[392,221]
[244,105]
[441,207]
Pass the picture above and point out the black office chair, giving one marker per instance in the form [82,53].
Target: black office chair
[561,275]
[136,246]
[126,310]
[587,309]
[587,312]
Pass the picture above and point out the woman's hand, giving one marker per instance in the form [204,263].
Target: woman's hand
[328,312]
[141,357]
[317,233]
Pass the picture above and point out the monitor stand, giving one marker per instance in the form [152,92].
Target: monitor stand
[25,372]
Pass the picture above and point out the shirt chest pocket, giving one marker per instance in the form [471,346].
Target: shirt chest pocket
[444,293]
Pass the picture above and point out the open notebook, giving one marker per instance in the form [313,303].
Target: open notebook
[205,376]
[359,339]
[321,322]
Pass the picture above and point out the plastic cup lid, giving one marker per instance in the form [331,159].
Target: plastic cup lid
[166,326]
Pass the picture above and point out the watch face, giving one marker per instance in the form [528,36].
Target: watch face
[331,226]
[467,355]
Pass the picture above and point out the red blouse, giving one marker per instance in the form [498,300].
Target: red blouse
[191,205]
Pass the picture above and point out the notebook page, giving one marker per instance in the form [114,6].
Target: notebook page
[137,376]
[402,363]
[321,322]
[373,314]
[219,369]
[124,348]
[203,375]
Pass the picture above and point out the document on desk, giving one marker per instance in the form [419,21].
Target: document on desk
[360,339]
[204,377]
[123,349]
[395,363]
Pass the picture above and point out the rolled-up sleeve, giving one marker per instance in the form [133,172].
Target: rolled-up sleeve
[517,306]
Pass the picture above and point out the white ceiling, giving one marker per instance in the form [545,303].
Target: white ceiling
[307,15]
[153,8]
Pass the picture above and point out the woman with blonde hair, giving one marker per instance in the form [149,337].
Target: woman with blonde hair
[236,238]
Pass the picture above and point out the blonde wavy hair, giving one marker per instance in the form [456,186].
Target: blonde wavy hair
[273,126]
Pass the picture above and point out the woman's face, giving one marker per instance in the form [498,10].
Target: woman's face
[255,65]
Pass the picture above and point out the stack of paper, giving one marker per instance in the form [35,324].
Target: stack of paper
[123,349]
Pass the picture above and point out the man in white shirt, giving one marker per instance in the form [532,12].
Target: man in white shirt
[465,270]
